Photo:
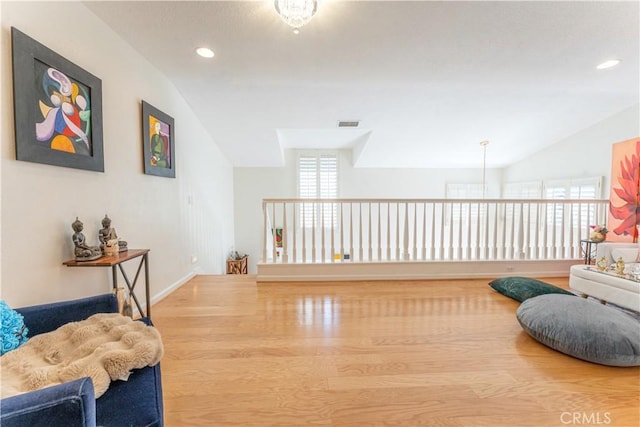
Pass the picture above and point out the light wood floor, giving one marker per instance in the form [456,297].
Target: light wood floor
[428,353]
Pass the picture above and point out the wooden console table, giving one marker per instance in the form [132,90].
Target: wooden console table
[114,261]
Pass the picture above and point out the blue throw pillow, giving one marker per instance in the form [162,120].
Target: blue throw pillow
[14,332]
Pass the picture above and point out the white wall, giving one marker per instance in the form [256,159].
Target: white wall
[584,154]
[254,184]
[175,218]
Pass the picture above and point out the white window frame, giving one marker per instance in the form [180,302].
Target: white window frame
[323,179]
[463,191]
[572,189]
[522,190]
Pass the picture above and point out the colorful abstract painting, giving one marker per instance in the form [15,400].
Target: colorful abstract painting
[278,237]
[624,200]
[159,143]
[57,107]
[65,108]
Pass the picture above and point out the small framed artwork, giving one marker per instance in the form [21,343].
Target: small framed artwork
[57,108]
[277,236]
[158,136]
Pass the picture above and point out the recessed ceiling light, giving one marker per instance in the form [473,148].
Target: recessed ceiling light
[205,52]
[608,64]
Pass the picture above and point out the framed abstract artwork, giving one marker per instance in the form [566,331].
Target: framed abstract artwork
[624,206]
[57,108]
[158,136]
[278,237]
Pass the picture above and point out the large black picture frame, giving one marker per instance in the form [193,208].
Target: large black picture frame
[57,108]
[158,144]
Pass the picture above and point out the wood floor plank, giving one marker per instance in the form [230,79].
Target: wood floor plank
[372,353]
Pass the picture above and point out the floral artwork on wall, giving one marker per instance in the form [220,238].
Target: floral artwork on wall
[624,203]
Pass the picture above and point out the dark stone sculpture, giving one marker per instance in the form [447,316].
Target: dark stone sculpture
[107,235]
[83,251]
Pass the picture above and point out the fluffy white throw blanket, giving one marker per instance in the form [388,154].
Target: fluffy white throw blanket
[105,347]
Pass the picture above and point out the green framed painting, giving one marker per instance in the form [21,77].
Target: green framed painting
[158,136]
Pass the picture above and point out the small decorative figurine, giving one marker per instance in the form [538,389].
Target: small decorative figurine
[127,310]
[620,266]
[109,241]
[83,252]
[111,247]
[601,265]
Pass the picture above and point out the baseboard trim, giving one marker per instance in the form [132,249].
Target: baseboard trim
[412,270]
[166,291]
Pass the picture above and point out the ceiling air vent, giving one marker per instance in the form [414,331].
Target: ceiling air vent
[348,123]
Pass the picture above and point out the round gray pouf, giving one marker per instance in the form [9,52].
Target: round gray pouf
[581,328]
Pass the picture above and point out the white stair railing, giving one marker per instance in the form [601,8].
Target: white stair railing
[386,230]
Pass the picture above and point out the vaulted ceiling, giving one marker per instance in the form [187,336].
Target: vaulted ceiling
[427,80]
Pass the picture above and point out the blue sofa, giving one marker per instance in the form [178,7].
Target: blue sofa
[133,403]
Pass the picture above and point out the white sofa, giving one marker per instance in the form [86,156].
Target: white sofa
[612,251]
[586,281]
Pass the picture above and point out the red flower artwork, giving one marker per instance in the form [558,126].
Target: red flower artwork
[627,209]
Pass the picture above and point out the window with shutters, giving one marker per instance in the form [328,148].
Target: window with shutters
[318,179]
[463,191]
[522,190]
[578,189]
[462,211]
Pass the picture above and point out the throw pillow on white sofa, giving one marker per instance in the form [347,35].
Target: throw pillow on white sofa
[628,255]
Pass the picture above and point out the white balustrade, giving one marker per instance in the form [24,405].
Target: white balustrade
[385,230]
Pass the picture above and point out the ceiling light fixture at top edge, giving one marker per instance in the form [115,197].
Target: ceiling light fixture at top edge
[205,52]
[608,64]
[296,13]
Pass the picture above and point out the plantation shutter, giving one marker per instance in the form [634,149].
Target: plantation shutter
[522,190]
[328,177]
[588,188]
[318,179]
[464,191]
[308,177]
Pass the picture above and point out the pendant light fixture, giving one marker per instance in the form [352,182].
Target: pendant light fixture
[296,13]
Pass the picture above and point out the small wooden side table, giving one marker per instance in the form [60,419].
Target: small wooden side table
[114,261]
[589,248]
[237,266]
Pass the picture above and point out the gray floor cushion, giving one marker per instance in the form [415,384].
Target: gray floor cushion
[583,329]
